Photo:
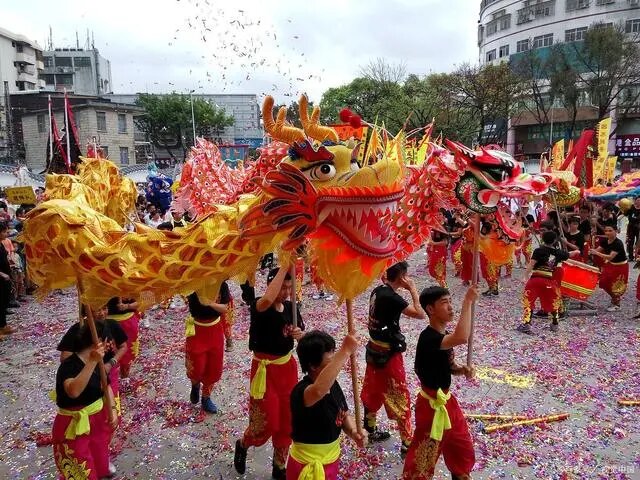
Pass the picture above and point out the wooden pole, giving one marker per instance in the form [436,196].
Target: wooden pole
[474,282]
[354,370]
[294,295]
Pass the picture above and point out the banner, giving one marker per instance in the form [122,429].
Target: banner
[628,146]
[20,195]
[557,154]
[604,127]
[610,170]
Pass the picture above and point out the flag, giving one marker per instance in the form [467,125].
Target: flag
[56,155]
[604,126]
[610,169]
[557,154]
[580,159]
[72,137]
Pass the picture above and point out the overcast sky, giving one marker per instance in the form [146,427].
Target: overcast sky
[281,47]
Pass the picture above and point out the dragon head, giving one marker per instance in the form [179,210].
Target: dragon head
[492,175]
[319,191]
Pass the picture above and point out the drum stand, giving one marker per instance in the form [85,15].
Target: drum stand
[576,307]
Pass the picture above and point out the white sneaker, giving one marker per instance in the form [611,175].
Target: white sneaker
[145,323]
[112,469]
[328,297]
[613,308]
[318,296]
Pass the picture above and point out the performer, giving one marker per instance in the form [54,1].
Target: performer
[83,425]
[228,320]
[466,251]
[204,345]
[115,345]
[437,257]
[457,229]
[385,380]
[273,372]
[440,423]
[574,239]
[542,284]
[615,269]
[525,246]
[490,270]
[125,312]
[5,283]
[633,229]
[319,410]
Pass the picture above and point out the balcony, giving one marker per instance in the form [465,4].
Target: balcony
[26,77]
[39,64]
[23,57]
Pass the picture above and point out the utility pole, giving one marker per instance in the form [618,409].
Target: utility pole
[9,120]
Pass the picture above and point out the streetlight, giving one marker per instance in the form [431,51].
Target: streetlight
[193,118]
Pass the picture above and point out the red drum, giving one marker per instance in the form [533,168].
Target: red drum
[579,280]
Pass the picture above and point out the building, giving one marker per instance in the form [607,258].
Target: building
[109,125]
[79,71]
[507,29]
[244,108]
[21,62]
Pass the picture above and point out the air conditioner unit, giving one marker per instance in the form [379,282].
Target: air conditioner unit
[634,2]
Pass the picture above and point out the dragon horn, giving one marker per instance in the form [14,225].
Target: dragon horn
[277,128]
[312,126]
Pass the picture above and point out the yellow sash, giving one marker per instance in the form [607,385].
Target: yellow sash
[190,325]
[441,420]
[80,419]
[259,381]
[121,317]
[313,457]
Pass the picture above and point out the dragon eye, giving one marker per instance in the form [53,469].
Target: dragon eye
[325,171]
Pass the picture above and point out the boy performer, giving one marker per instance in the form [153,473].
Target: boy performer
[385,381]
[614,274]
[274,373]
[440,423]
[319,411]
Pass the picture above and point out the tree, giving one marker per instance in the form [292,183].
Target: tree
[167,120]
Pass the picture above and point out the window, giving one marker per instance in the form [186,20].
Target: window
[492,28]
[543,41]
[575,34]
[63,62]
[124,155]
[64,79]
[122,123]
[577,4]
[41,125]
[48,79]
[503,51]
[82,61]
[491,55]
[48,62]
[522,46]
[504,22]
[632,26]
[19,48]
[604,2]
[101,119]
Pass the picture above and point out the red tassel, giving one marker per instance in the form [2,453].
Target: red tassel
[355,121]
[345,115]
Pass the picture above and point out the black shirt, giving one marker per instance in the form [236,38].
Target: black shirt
[321,422]
[5,267]
[270,331]
[576,238]
[204,312]
[634,218]
[113,336]
[385,308]
[542,257]
[112,306]
[528,220]
[585,227]
[70,368]
[615,246]
[608,222]
[433,365]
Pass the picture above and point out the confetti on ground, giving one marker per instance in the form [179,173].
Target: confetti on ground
[582,370]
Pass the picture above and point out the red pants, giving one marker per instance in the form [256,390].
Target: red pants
[294,468]
[388,386]
[614,279]
[228,319]
[437,259]
[456,444]
[456,256]
[544,289]
[490,272]
[86,456]
[466,257]
[131,328]
[270,417]
[204,353]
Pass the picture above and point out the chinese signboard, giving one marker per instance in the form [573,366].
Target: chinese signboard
[628,146]
[20,195]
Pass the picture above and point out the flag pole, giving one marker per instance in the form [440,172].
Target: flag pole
[66,130]
[50,135]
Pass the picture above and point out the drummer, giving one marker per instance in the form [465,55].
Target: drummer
[573,240]
[542,285]
[615,269]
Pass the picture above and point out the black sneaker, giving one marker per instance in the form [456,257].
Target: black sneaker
[554,327]
[195,394]
[525,328]
[240,458]
[404,449]
[540,314]
[379,436]
[278,473]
